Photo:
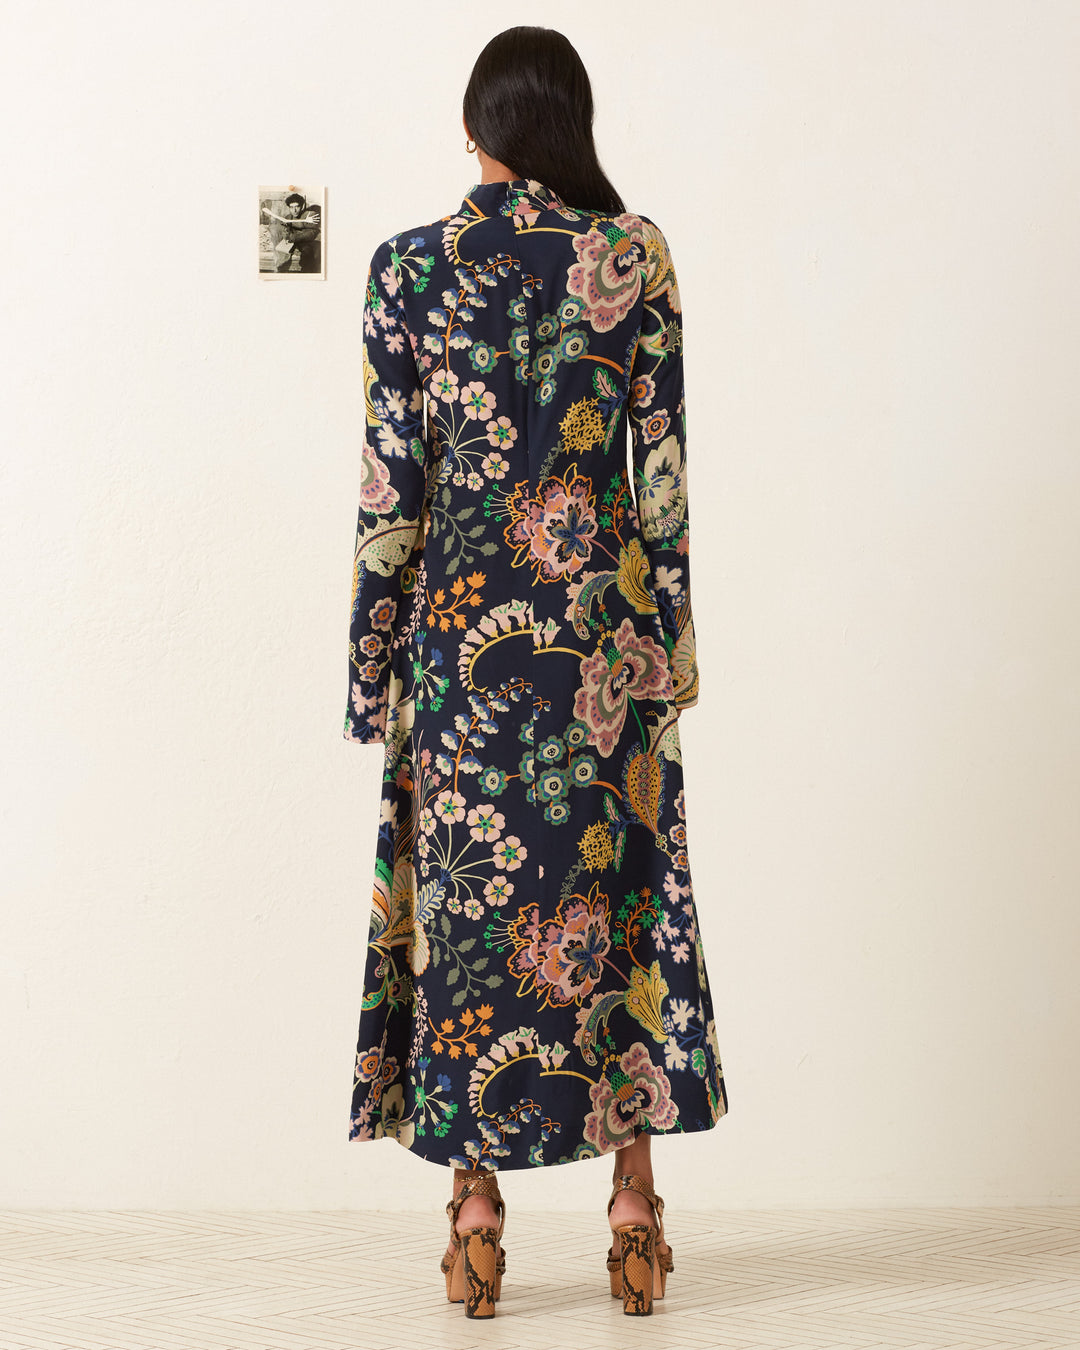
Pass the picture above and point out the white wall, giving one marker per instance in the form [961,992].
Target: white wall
[874,212]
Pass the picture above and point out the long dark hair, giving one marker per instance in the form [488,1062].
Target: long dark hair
[528,105]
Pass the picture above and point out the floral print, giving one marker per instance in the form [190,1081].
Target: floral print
[626,666]
[636,1096]
[522,645]
[556,530]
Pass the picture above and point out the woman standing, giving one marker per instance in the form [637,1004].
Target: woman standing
[522,645]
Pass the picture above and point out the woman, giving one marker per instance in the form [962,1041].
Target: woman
[522,645]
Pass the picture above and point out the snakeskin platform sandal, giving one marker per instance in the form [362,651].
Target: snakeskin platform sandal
[475,1268]
[639,1273]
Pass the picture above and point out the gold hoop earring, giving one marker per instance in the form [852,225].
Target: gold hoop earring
[470,149]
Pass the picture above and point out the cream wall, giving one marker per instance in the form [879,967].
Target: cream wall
[874,213]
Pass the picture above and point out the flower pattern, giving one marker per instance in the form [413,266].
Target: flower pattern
[556,529]
[626,666]
[635,1096]
[521,644]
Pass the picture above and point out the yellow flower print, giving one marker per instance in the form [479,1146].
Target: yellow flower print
[582,426]
[596,847]
[645,999]
[632,577]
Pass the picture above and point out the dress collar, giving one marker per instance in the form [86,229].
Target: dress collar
[510,197]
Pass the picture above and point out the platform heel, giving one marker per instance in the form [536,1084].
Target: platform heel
[474,1269]
[636,1258]
[639,1273]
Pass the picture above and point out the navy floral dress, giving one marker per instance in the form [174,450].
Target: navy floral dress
[522,644]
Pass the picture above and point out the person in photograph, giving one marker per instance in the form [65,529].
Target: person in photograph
[301,227]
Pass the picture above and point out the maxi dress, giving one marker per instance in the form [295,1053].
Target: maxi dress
[522,645]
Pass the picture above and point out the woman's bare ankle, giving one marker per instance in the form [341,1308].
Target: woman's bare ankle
[634,1159]
[475,1211]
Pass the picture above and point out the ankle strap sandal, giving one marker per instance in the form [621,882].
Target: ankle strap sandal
[475,1268]
[639,1272]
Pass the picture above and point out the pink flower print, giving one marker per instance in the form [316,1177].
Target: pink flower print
[571,952]
[450,806]
[561,960]
[444,384]
[500,432]
[388,277]
[509,852]
[524,215]
[362,702]
[554,531]
[636,668]
[638,1094]
[478,400]
[610,270]
[498,891]
[485,822]
[673,890]
[494,465]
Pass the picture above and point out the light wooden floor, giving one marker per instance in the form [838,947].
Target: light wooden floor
[928,1278]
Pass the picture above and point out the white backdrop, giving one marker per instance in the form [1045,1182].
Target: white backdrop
[874,212]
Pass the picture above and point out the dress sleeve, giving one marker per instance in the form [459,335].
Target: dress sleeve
[392,489]
[657,414]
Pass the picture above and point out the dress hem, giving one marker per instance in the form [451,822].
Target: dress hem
[576,1156]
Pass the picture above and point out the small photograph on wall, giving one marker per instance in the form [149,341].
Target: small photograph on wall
[291,231]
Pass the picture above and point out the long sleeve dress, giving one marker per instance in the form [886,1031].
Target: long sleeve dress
[522,644]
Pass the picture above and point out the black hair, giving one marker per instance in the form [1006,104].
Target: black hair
[294,197]
[529,105]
